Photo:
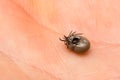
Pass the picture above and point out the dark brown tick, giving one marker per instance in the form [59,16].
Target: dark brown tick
[75,42]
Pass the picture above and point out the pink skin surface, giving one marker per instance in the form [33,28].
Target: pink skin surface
[30,48]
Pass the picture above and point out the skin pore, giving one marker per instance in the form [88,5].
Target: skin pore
[31,50]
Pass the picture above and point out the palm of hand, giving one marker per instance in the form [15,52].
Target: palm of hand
[30,48]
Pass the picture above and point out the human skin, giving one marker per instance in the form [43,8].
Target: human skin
[30,48]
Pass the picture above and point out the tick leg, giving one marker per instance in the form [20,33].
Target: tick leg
[66,44]
[79,34]
[73,33]
[61,39]
[70,33]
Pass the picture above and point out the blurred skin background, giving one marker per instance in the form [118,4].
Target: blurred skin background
[29,39]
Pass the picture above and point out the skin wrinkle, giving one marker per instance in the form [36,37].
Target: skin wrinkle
[44,71]
[46,28]
[85,75]
[13,62]
[105,43]
[29,65]
[38,22]
[32,66]
[105,70]
[31,17]
[17,61]
[23,10]
[113,71]
[59,52]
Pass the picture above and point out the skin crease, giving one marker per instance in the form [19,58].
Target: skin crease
[30,46]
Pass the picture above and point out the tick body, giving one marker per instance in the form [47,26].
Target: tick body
[76,42]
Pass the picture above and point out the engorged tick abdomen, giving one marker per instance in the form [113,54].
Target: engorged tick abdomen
[82,46]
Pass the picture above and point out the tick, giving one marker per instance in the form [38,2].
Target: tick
[76,42]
